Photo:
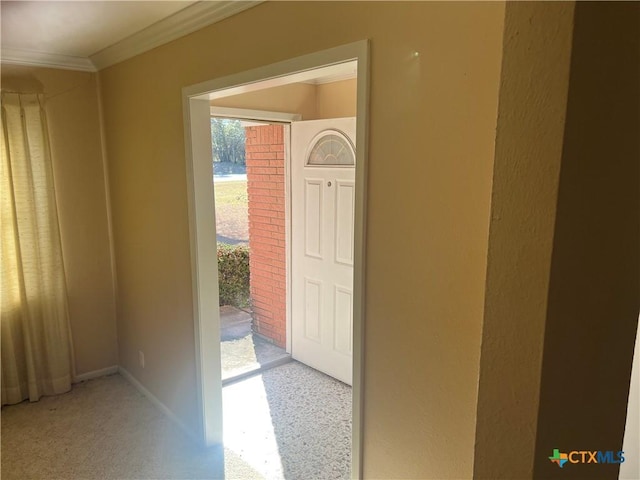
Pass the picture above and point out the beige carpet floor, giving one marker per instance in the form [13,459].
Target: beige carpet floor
[290,422]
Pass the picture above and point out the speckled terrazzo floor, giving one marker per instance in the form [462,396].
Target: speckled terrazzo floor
[290,422]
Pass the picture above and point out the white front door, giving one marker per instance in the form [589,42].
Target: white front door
[322,217]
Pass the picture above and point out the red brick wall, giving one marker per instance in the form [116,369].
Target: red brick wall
[265,187]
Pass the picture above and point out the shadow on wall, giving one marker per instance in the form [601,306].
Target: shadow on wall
[25,83]
[593,302]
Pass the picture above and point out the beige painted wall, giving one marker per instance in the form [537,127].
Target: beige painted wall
[432,124]
[293,98]
[74,125]
[313,102]
[336,99]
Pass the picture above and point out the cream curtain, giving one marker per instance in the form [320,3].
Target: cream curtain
[36,340]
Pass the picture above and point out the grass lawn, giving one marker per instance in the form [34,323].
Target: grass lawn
[232,227]
[231,193]
[232,212]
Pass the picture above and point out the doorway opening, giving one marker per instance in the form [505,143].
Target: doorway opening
[330,227]
[248,177]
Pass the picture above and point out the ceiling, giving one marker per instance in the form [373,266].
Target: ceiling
[90,35]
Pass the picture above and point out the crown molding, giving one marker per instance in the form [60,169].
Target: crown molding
[188,20]
[183,22]
[15,56]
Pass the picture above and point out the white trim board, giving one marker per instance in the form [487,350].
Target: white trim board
[103,372]
[204,270]
[247,114]
[153,399]
[332,79]
[630,469]
[287,233]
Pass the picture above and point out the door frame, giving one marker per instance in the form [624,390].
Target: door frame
[201,203]
[284,119]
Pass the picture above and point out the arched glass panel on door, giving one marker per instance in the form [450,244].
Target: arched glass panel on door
[331,148]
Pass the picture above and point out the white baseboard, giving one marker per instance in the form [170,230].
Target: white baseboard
[163,408]
[96,374]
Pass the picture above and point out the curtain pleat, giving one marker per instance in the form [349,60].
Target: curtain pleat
[36,340]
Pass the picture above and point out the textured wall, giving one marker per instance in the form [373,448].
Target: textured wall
[561,307]
[529,142]
[594,286]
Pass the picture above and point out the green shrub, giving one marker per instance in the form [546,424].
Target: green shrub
[233,274]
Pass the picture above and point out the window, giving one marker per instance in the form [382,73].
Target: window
[333,148]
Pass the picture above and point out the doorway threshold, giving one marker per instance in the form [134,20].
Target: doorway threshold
[258,370]
[243,353]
